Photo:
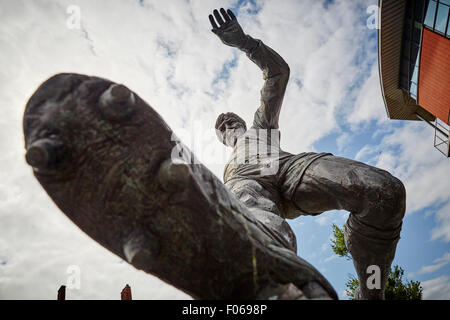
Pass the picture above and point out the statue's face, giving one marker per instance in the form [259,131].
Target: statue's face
[230,130]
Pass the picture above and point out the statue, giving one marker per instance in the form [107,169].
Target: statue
[308,183]
[106,159]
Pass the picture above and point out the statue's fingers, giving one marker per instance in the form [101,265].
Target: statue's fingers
[231,14]
[225,15]
[213,22]
[218,17]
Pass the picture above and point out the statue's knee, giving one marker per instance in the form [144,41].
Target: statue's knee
[399,194]
[390,198]
[399,189]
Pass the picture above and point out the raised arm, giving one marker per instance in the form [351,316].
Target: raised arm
[275,69]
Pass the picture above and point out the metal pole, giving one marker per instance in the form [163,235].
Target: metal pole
[429,123]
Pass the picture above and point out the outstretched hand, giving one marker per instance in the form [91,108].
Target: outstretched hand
[229,31]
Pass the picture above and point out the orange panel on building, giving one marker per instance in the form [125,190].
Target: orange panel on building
[434,75]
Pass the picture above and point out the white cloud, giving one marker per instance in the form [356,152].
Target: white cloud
[330,258]
[438,264]
[366,151]
[442,229]
[437,288]
[432,268]
[387,161]
[444,258]
[343,140]
[323,219]
[369,104]
[337,217]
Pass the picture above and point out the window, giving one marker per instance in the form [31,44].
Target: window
[415,78]
[413,90]
[441,18]
[437,16]
[448,28]
[429,18]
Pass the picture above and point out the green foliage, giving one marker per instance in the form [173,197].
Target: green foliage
[351,285]
[396,287]
[338,243]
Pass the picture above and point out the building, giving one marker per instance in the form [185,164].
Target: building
[414,63]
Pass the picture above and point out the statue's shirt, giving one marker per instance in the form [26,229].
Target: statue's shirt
[257,153]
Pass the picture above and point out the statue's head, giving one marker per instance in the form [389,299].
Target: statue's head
[229,127]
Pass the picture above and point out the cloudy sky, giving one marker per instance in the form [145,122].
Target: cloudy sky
[166,53]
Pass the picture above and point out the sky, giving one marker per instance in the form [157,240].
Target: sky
[166,53]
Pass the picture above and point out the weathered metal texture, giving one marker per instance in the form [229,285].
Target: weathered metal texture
[104,157]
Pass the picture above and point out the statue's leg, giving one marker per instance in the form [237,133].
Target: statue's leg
[259,201]
[376,202]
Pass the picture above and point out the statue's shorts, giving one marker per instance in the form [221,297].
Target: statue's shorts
[274,192]
[290,173]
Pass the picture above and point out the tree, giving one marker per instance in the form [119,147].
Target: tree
[397,288]
[338,243]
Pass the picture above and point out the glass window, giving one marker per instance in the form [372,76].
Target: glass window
[447,2]
[413,90]
[415,68]
[441,18]
[429,18]
[448,28]
[415,76]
